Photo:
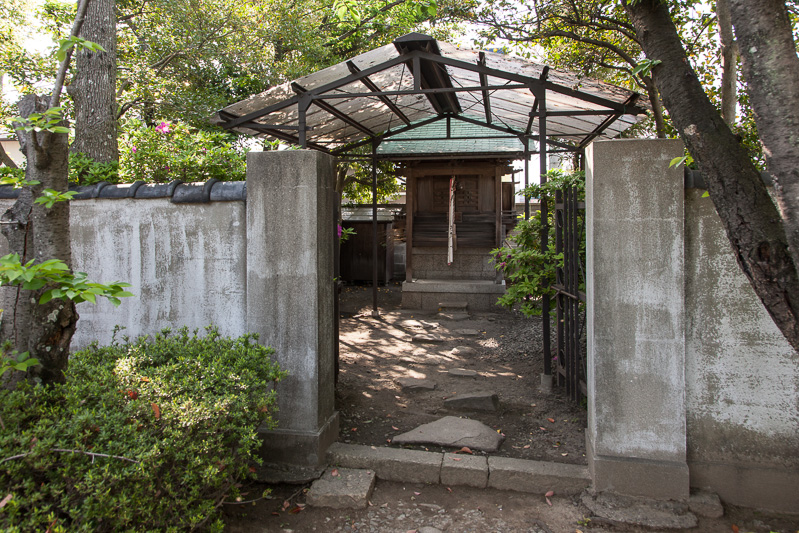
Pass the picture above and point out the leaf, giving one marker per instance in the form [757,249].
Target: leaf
[334,472]
[734,528]
[457,459]
[464,450]
[551,420]
[295,510]
[156,410]
[395,428]
[6,500]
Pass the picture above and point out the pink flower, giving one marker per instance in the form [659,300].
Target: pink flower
[339,230]
[133,149]
[162,128]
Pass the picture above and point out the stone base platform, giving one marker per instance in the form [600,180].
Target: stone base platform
[427,294]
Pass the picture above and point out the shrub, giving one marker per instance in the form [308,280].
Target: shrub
[144,435]
[173,151]
[530,271]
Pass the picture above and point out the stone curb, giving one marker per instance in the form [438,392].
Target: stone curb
[414,466]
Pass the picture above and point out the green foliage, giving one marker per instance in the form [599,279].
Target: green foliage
[45,121]
[530,271]
[65,285]
[78,43]
[15,177]
[645,67]
[50,197]
[86,171]
[11,359]
[172,151]
[143,436]
[345,233]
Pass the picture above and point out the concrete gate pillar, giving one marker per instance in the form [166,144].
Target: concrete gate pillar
[290,295]
[636,326]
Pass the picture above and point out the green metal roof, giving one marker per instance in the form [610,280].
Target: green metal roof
[453,136]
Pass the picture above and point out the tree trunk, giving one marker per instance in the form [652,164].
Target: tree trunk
[94,88]
[751,219]
[6,159]
[729,63]
[36,232]
[771,69]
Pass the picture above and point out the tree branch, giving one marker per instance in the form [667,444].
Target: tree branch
[62,450]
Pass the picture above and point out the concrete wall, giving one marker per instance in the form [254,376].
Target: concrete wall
[186,263]
[690,383]
[742,376]
[200,254]
[636,346]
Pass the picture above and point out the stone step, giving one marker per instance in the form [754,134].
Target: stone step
[414,466]
[473,401]
[453,305]
[342,488]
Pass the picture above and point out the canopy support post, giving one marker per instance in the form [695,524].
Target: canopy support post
[526,142]
[375,311]
[546,378]
[302,108]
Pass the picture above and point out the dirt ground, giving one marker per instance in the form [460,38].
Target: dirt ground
[411,508]
[507,358]
[508,361]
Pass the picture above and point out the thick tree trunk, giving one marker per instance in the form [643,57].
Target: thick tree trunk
[771,70]
[36,232]
[729,63]
[750,218]
[94,87]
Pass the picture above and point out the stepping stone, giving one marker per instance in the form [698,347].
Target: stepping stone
[455,432]
[429,325]
[462,373]
[432,360]
[342,488]
[411,324]
[463,350]
[414,384]
[426,338]
[467,332]
[454,316]
[474,401]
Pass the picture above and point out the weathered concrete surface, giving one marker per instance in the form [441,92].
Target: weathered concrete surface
[342,488]
[536,476]
[636,318]
[455,432]
[640,511]
[411,466]
[184,262]
[290,294]
[473,401]
[742,376]
[705,503]
[464,470]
